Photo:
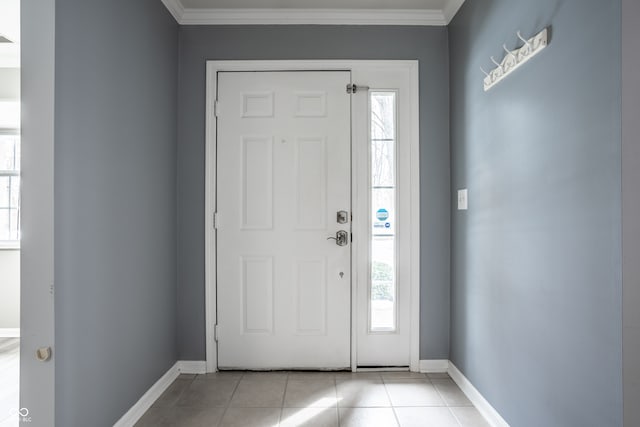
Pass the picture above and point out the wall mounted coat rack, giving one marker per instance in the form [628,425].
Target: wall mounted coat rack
[515,58]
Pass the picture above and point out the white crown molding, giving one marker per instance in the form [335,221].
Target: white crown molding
[312,17]
[175,7]
[450,9]
[426,17]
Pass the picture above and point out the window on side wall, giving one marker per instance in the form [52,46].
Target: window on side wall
[9,188]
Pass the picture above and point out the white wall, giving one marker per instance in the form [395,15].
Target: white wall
[9,289]
[9,259]
[9,84]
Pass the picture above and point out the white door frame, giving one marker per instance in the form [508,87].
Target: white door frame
[37,316]
[213,67]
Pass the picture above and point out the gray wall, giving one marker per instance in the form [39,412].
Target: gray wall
[115,205]
[428,45]
[536,278]
[631,210]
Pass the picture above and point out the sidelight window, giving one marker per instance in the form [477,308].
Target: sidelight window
[383,289]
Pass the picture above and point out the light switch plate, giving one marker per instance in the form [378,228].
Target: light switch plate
[463,200]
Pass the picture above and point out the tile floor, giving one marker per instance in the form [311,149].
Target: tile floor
[290,399]
[9,381]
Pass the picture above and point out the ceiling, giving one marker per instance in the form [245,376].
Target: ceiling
[339,12]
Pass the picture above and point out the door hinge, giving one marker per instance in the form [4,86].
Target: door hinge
[215,220]
[353,88]
[216,107]
[215,332]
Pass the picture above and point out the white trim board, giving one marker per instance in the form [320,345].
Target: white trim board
[434,366]
[9,332]
[136,412]
[192,366]
[482,405]
[133,415]
[292,16]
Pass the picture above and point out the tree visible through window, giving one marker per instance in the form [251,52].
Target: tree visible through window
[9,187]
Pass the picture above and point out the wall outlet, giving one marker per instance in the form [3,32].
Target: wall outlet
[463,200]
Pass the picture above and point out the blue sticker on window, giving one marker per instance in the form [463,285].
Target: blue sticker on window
[382,214]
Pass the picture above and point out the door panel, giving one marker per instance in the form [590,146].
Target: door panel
[283,171]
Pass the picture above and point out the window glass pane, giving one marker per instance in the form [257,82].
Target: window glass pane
[382,138]
[14,200]
[382,161]
[9,187]
[4,224]
[383,290]
[7,152]
[17,152]
[383,211]
[382,304]
[14,224]
[383,112]
[9,114]
[5,192]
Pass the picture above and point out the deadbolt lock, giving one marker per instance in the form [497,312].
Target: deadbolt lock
[342,217]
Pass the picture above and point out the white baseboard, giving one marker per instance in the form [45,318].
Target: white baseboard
[192,366]
[488,412]
[136,412]
[9,332]
[434,366]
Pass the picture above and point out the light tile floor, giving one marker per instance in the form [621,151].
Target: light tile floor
[318,399]
[9,381]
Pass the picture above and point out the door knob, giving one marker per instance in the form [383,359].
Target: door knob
[342,238]
[43,354]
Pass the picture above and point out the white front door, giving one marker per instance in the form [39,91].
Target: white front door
[283,175]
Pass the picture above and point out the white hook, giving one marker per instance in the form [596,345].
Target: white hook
[484,72]
[494,61]
[504,46]
[527,42]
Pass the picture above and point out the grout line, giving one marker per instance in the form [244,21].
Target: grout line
[286,385]
[440,394]
[226,408]
[393,408]
[335,384]
[454,416]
